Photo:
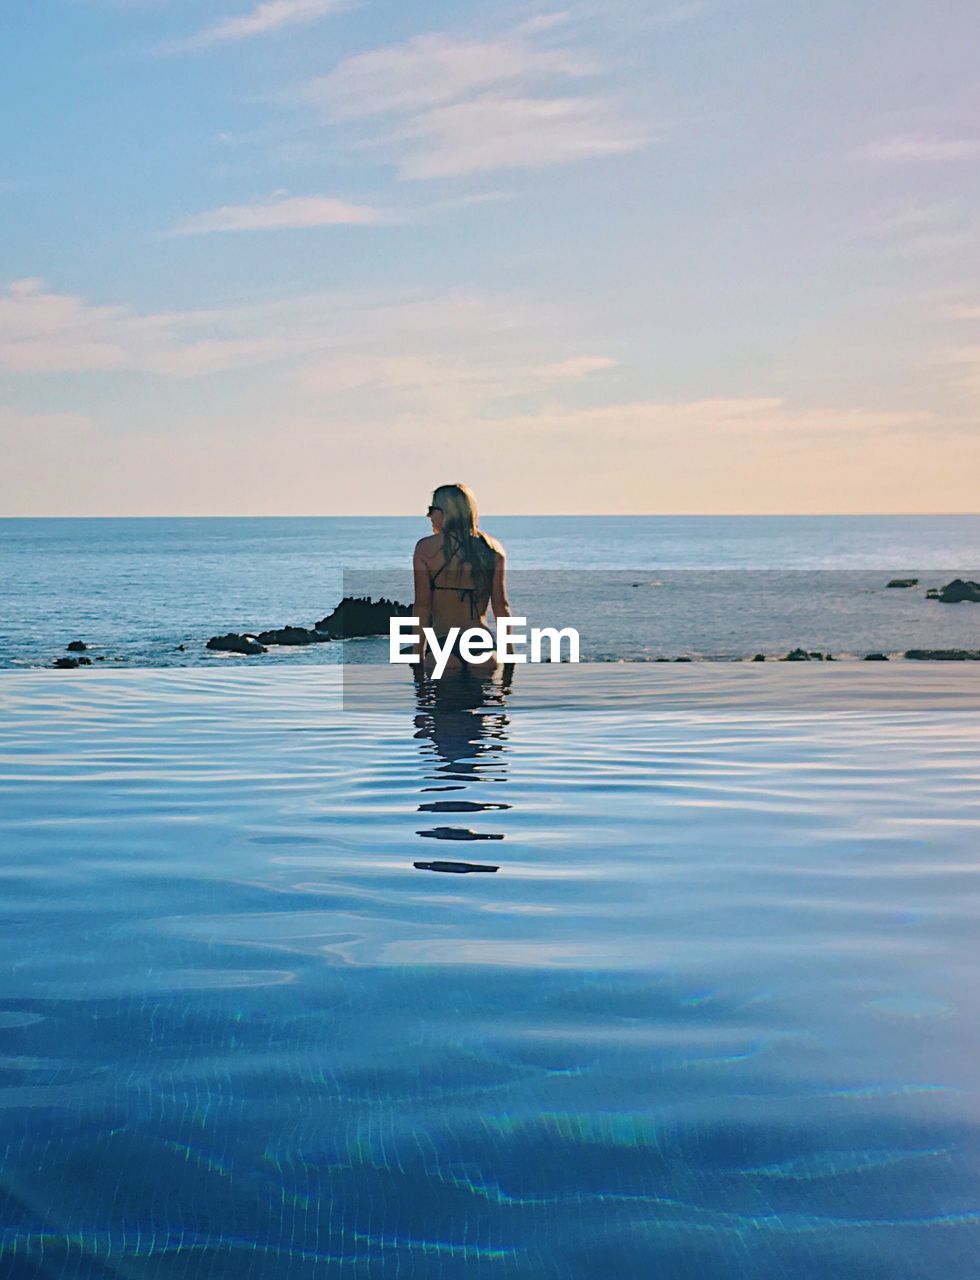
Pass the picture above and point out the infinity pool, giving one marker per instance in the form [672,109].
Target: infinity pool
[713,1015]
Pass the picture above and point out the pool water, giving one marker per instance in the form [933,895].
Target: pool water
[714,1014]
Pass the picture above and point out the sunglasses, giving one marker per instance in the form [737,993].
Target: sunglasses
[431,509]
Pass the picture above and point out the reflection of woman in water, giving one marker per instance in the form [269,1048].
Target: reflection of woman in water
[459,574]
[462,728]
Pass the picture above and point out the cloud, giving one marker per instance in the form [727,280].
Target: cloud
[921,230]
[279,213]
[762,417]
[444,359]
[490,133]
[271,15]
[462,106]
[43,332]
[962,365]
[321,341]
[434,69]
[47,427]
[915,148]
[578,367]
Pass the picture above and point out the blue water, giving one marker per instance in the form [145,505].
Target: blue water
[136,589]
[714,1016]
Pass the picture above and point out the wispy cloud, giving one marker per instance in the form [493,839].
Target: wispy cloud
[279,213]
[578,367]
[490,133]
[434,69]
[410,349]
[51,427]
[45,332]
[762,417]
[916,148]
[921,230]
[461,106]
[961,365]
[962,311]
[271,15]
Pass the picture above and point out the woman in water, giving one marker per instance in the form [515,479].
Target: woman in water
[459,573]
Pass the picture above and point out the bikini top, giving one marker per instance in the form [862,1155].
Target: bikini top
[465,593]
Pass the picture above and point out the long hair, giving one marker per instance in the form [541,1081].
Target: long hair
[461,535]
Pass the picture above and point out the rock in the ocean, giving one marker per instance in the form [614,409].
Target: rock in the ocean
[235,643]
[796,655]
[293,635]
[903,582]
[958,591]
[359,616]
[876,657]
[66,664]
[77,646]
[943,655]
[759,657]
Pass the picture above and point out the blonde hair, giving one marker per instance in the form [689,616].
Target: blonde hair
[461,535]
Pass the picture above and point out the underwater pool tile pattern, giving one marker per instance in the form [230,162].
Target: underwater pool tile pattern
[714,1015]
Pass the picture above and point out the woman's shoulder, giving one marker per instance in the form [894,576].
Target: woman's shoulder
[495,545]
[425,547]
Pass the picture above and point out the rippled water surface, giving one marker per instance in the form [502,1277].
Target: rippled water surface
[714,1014]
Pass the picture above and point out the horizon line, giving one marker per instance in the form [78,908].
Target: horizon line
[518,515]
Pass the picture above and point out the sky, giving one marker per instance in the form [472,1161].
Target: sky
[315,257]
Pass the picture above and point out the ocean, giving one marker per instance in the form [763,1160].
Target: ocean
[637,587]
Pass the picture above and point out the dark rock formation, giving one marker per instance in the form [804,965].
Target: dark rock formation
[683,659]
[235,643]
[943,655]
[359,616]
[876,657]
[796,655]
[66,664]
[904,582]
[957,592]
[294,635]
[77,646]
[759,657]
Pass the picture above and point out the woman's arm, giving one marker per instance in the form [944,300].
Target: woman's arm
[498,588]
[423,595]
